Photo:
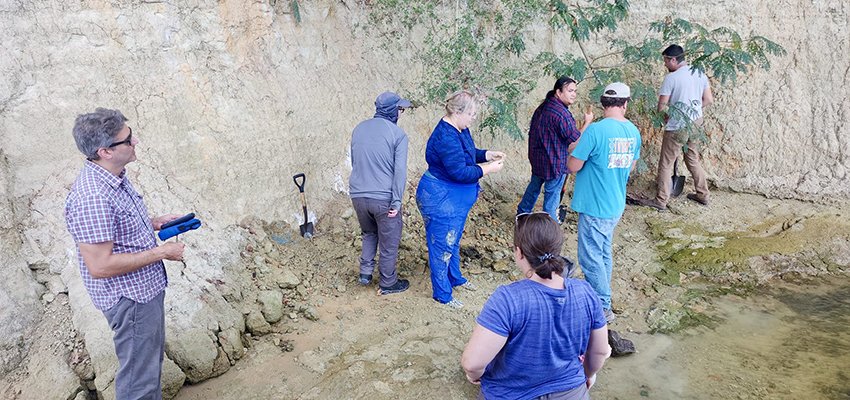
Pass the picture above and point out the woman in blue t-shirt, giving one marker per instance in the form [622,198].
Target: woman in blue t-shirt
[449,188]
[531,335]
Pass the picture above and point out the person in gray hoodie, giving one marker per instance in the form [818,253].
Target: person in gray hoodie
[378,177]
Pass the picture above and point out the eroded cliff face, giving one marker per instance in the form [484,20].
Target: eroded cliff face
[231,98]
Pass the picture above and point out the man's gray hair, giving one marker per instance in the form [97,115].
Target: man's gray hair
[98,129]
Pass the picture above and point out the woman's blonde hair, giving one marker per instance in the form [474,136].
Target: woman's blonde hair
[460,102]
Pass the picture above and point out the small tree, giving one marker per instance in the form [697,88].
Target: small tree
[481,46]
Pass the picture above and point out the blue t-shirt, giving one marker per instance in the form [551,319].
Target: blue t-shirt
[608,148]
[452,156]
[547,330]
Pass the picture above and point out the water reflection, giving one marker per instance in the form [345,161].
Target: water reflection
[789,341]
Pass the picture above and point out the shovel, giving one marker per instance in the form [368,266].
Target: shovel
[678,180]
[307,226]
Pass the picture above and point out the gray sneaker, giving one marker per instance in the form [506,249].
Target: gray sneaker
[365,279]
[469,286]
[609,316]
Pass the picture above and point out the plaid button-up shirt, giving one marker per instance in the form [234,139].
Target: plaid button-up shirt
[552,130]
[102,208]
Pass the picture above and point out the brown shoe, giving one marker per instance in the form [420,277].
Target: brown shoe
[653,204]
[694,197]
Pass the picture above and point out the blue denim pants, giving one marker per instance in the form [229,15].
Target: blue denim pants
[594,253]
[551,195]
[444,207]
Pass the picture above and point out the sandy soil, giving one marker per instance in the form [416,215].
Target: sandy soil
[408,346]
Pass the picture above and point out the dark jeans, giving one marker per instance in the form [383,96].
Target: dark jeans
[378,230]
[140,345]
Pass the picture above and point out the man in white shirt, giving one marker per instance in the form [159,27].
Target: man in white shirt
[683,94]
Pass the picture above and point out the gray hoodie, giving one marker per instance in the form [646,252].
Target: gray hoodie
[379,158]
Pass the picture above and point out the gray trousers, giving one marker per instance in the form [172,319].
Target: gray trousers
[378,230]
[577,393]
[140,345]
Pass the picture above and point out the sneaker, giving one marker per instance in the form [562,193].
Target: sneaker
[399,287]
[469,286]
[652,204]
[694,197]
[365,279]
[454,304]
[609,316]
[562,214]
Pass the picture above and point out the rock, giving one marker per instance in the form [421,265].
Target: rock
[55,285]
[221,363]
[48,297]
[172,379]
[94,330]
[230,341]
[20,311]
[285,278]
[515,274]
[665,317]
[311,313]
[194,351]
[256,323]
[619,346]
[272,305]
[286,345]
[502,266]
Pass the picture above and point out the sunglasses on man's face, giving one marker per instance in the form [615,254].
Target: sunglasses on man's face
[127,141]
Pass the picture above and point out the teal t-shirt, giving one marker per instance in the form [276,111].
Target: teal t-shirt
[608,148]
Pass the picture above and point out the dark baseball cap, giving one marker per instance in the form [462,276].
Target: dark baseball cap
[388,99]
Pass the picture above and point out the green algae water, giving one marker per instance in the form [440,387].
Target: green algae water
[785,341]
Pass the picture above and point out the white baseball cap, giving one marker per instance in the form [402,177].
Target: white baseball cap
[617,90]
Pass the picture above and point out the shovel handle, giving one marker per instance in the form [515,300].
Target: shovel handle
[300,185]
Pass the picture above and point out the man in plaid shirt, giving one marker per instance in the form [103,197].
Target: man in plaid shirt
[120,262]
[553,131]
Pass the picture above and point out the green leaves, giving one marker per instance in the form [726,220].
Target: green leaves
[482,46]
[296,11]
[553,65]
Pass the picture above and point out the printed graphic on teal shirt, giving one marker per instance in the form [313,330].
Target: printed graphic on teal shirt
[621,152]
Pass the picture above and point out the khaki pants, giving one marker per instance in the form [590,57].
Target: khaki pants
[670,148]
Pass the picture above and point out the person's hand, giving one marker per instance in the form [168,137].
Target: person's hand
[492,155]
[159,221]
[173,251]
[473,381]
[393,212]
[492,167]
[588,115]
[590,381]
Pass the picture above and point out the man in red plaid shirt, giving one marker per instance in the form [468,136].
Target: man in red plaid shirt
[552,134]
[120,261]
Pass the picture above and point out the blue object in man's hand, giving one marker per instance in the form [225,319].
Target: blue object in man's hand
[180,225]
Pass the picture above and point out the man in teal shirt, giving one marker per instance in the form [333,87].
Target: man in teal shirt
[603,158]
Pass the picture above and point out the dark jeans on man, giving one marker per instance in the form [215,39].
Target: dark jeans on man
[378,230]
[140,345]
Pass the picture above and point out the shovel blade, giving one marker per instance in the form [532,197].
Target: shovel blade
[307,230]
[678,185]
